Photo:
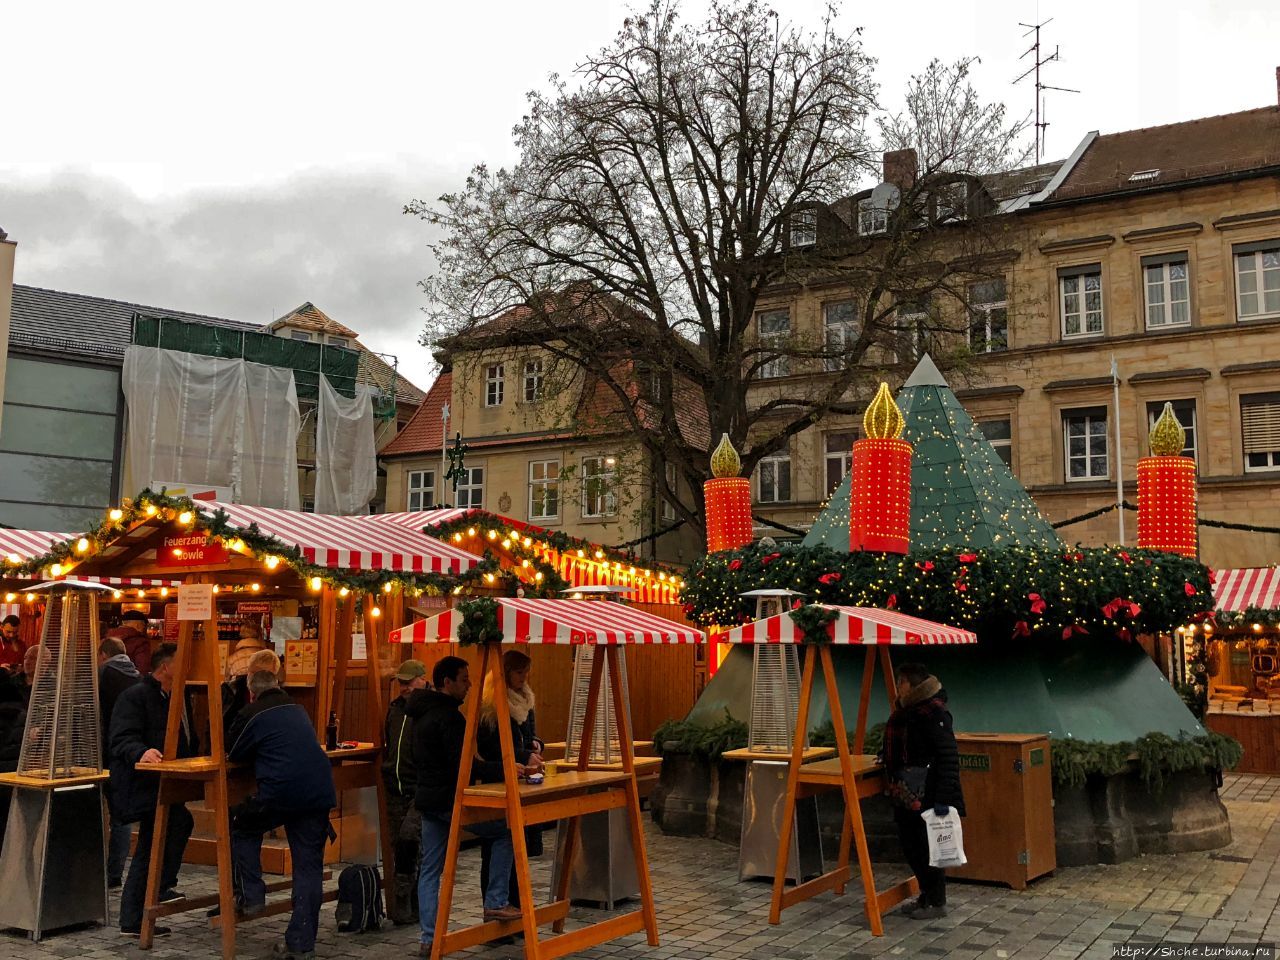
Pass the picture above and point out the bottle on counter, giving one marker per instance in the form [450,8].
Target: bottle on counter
[331,731]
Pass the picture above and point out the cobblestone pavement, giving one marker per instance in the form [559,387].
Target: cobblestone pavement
[1227,895]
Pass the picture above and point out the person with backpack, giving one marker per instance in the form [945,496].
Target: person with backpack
[438,731]
[922,772]
[401,781]
[296,791]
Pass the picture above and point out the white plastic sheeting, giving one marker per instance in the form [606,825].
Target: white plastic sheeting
[204,420]
[346,458]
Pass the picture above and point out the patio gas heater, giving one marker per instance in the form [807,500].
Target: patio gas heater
[606,871]
[53,864]
[775,699]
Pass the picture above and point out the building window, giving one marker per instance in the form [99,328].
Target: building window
[532,381]
[599,486]
[1260,428]
[544,489]
[299,335]
[841,328]
[493,385]
[1168,291]
[774,479]
[804,228]
[471,488]
[1185,411]
[913,322]
[667,511]
[308,505]
[871,219]
[999,434]
[988,317]
[839,458]
[1257,280]
[422,490]
[1080,300]
[775,327]
[338,342]
[1086,443]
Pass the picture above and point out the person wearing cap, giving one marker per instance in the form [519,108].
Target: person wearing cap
[401,781]
[132,632]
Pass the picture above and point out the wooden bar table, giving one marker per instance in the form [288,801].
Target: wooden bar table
[853,773]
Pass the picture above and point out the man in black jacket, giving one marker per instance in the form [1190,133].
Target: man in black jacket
[922,766]
[116,674]
[138,724]
[401,781]
[295,790]
[438,731]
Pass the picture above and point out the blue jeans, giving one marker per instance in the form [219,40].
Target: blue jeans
[307,832]
[435,838]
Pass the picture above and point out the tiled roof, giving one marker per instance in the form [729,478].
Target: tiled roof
[1233,143]
[310,317]
[375,370]
[601,411]
[425,429]
[86,326]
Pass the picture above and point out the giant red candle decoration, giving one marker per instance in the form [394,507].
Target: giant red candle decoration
[1167,490]
[880,498]
[728,500]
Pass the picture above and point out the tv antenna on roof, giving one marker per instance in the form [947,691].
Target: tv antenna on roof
[1040,61]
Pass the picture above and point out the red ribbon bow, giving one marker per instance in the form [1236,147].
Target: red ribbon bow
[735,564]
[829,578]
[1037,604]
[1189,589]
[967,557]
[766,560]
[1020,629]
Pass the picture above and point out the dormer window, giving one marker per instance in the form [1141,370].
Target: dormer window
[804,228]
[871,218]
[337,341]
[299,335]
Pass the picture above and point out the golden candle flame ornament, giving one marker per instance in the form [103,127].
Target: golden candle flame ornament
[883,420]
[1167,436]
[725,461]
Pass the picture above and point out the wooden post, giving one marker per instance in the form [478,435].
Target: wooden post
[324,656]
[793,782]
[377,716]
[515,812]
[864,699]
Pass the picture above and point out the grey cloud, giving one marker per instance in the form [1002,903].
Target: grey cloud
[253,253]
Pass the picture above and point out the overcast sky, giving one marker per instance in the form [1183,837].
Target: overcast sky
[240,158]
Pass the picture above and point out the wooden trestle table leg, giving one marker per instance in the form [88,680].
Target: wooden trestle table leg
[647,910]
[374,638]
[515,820]
[793,783]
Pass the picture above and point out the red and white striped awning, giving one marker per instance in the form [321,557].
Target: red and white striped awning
[22,545]
[558,621]
[853,625]
[365,542]
[419,519]
[1257,587]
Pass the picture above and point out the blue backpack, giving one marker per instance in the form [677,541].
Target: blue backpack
[359,899]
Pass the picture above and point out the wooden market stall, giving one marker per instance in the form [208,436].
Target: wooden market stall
[853,773]
[565,796]
[1242,660]
[307,573]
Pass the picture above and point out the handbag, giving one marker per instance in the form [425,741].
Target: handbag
[906,789]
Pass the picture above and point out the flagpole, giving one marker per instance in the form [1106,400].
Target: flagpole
[1115,385]
[444,443]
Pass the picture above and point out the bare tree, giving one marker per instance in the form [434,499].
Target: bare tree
[658,198]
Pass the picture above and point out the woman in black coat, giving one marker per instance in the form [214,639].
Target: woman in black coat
[528,748]
[922,767]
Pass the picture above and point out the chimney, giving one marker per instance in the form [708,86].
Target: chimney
[1278,86]
[900,168]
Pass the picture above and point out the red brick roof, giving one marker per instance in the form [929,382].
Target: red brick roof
[1233,143]
[425,430]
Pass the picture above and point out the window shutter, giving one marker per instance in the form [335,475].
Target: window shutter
[1261,423]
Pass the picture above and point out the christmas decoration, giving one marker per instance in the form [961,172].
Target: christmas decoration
[880,485]
[728,500]
[1167,490]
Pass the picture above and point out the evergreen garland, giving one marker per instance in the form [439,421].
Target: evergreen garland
[813,622]
[478,621]
[1008,592]
[683,737]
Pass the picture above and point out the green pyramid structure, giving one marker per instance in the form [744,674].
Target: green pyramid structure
[962,494]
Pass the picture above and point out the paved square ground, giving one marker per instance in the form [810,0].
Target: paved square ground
[703,912]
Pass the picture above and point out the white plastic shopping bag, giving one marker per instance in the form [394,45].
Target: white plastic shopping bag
[946,838]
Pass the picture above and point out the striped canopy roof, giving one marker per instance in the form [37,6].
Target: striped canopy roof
[29,544]
[365,542]
[558,621]
[1257,587]
[853,625]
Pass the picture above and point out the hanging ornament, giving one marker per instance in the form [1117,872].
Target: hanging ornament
[1167,490]
[728,500]
[880,492]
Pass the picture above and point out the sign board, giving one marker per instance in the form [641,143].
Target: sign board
[975,761]
[190,550]
[359,650]
[196,491]
[195,601]
[301,658]
[170,622]
[253,606]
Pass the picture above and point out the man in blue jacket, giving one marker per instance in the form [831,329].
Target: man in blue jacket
[295,790]
[138,723]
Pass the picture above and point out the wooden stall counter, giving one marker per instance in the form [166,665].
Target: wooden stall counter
[809,755]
